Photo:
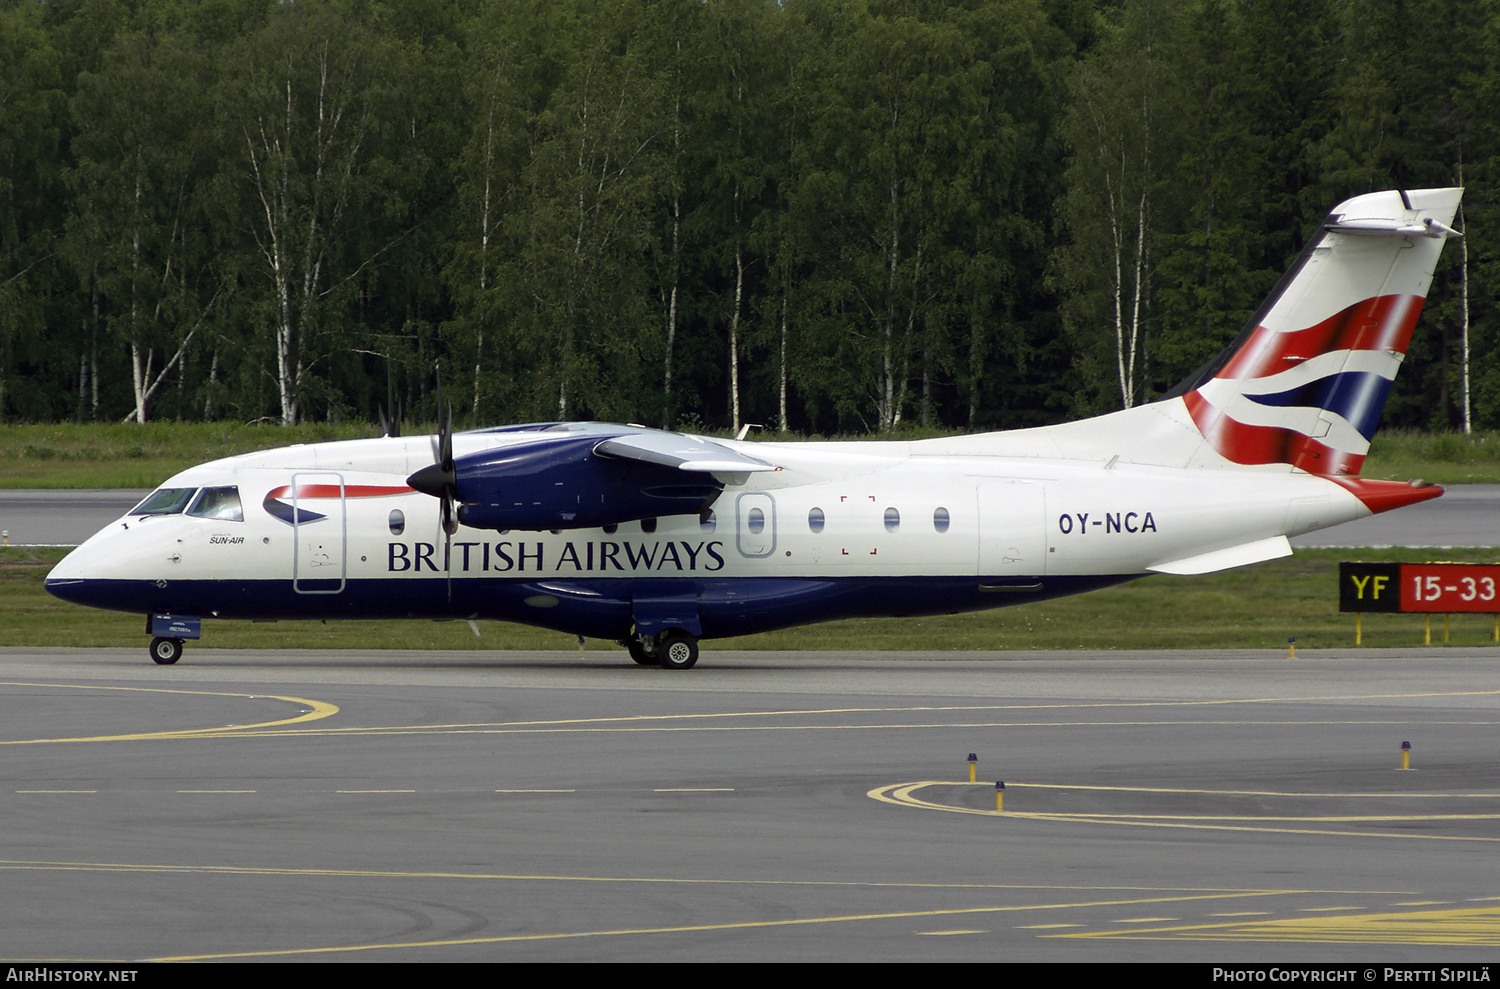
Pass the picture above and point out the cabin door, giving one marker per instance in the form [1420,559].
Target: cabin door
[1012,529]
[318,564]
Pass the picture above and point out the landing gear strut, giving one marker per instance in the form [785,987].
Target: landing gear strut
[165,652]
[638,652]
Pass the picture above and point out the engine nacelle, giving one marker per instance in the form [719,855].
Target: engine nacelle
[564,484]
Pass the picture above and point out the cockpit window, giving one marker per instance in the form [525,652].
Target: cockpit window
[164,501]
[219,503]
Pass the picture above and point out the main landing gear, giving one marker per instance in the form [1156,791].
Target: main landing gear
[165,652]
[673,649]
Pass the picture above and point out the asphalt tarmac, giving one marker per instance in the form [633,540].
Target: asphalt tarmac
[1211,807]
[1466,515]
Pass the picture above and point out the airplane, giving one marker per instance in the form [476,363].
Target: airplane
[658,539]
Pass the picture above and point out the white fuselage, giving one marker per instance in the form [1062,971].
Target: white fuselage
[932,524]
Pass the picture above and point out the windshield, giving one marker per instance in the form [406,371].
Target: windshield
[164,501]
[218,503]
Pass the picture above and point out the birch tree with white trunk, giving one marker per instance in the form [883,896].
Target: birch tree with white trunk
[300,102]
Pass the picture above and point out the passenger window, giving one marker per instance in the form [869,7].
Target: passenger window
[648,525]
[892,520]
[815,520]
[708,523]
[756,521]
[220,504]
[940,519]
[164,501]
[398,522]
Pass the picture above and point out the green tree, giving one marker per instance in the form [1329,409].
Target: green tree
[137,234]
[300,102]
[1117,125]
[32,200]
[575,277]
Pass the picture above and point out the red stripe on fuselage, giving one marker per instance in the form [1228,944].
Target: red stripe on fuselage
[333,490]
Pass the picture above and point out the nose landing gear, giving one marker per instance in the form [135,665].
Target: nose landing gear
[170,630]
[165,652]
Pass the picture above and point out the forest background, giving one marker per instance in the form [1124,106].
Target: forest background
[827,216]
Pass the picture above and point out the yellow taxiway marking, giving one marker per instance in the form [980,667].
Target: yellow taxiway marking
[1043,927]
[1242,913]
[317,710]
[703,721]
[1471,926]
[901,794]
[688,929]
[1488,918]
[1138,894]
[946,933]
[57,791]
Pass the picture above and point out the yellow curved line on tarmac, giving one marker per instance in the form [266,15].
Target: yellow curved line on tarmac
[319,710]
[581,728]
[1051,706]
[901,794]
[635,722]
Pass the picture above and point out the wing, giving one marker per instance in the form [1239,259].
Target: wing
[681,451]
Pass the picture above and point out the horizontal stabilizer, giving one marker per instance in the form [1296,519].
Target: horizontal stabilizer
[680,451]
[1273,548]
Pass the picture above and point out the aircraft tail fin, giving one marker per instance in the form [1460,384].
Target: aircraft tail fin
[1305,382]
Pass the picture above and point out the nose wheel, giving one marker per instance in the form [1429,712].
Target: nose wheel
[165,652]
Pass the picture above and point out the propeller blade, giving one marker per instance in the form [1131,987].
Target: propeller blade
[440,479]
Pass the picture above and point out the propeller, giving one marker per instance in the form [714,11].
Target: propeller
[391,427]
[440,480]
[388,428]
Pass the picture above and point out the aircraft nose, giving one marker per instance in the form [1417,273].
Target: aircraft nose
[66,579]
[66,569]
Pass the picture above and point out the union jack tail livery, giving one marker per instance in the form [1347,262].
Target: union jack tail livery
[1306,381]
